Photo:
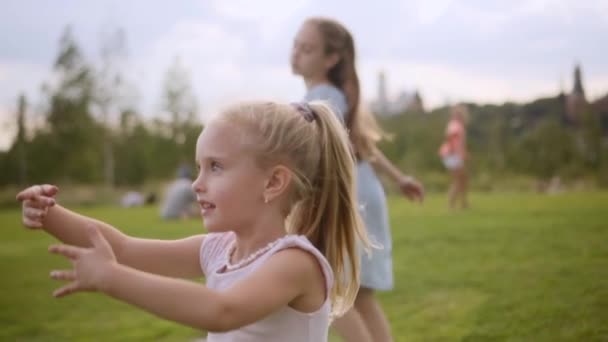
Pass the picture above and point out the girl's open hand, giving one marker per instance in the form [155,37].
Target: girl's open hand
[90,265]
[36,201]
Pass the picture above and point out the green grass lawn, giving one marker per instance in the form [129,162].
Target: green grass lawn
[515,267]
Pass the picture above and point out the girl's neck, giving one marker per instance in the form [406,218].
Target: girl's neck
[314,81]
[252,239]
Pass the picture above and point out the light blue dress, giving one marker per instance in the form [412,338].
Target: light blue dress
[377,268]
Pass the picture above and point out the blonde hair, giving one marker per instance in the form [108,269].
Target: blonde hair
[363,128]
[461,111]
[322,201]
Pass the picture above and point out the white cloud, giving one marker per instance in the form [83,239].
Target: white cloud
[260,83]
[207,50]
[483,22]
[219,64]
[20,77]
[595,87]
[235,50]
[423,12]
[270,16]
[261,9]
[563,11]
[200,41]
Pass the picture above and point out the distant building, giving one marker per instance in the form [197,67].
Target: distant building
[576,101]
[404,102]
[381,104]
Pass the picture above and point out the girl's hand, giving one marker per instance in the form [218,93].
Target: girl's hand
[36,200]
[411,188]
[91,265]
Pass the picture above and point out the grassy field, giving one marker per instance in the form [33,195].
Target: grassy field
[516,267]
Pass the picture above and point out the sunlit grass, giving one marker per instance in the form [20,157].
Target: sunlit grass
[517,267]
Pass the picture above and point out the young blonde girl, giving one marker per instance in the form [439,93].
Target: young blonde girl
[276,190]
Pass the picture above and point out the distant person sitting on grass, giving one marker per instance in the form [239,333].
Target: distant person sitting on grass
[180,200]
[268,278]
[132,199]
[136,199]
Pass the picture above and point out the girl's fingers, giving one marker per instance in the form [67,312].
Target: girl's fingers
[33,203]
[71,252]
[32,217]
[33,213]
[49,189]
[44,201]
[40,203]
[414,192]
[67,290]
[30,193]
[31,223]
[37,190]
[63,275]
[26,194]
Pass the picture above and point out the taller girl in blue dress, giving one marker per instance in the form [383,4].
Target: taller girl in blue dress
[324,56]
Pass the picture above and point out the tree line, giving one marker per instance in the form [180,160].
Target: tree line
[91,132]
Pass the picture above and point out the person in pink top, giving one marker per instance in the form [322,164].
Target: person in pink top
[454,155]
[276,192]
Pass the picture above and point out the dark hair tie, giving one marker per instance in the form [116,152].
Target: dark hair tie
[304,108]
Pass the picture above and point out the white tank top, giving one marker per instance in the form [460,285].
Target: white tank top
[286,324]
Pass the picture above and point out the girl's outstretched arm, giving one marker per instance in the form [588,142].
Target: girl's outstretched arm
[286,276]
[407,184]
[177,258]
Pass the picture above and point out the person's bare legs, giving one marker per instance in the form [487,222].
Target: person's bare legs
[457,195]
[370,310]
[453,190]
[351,327]
[464,185]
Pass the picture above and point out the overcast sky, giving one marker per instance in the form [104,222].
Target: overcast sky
[450,50]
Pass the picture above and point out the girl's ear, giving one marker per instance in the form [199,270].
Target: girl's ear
[277,183]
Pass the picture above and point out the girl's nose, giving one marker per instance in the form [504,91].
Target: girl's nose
[199,185]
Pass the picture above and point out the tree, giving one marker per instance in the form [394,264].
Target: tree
[179,100]
[110,86]
[134,141]
[75,134]
[13,163]
[180,103]
[21,140]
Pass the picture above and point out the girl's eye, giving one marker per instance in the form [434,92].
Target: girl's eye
[215,166]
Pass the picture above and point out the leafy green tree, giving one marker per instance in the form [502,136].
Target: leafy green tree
[76,139]
[107,96]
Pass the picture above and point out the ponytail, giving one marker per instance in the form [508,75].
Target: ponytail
[329,217]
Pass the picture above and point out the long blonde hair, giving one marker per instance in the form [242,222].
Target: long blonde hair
[322,204]
[363,128]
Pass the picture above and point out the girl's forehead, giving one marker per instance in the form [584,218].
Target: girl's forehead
[222,136]
[309,33]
